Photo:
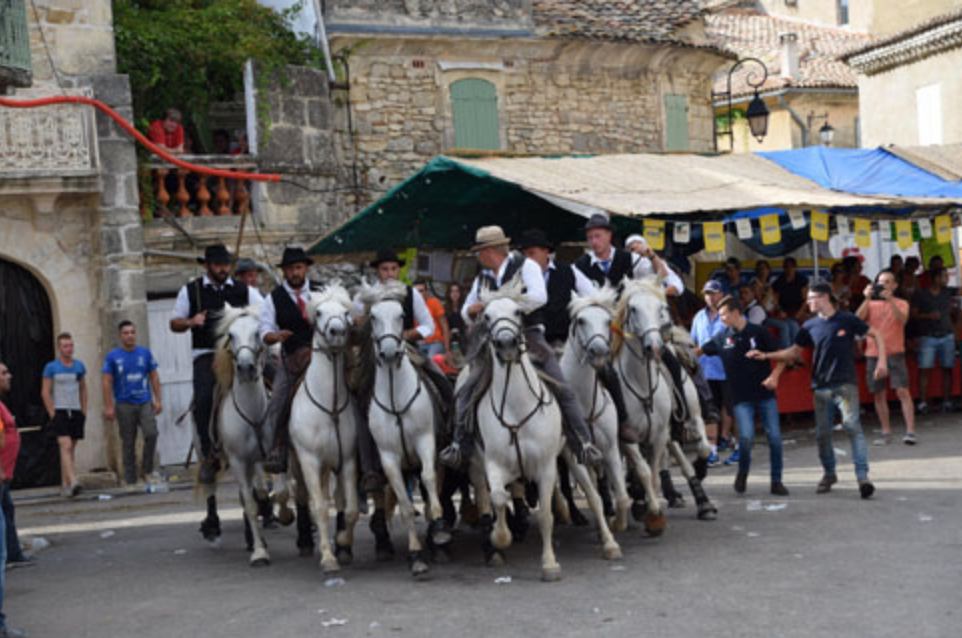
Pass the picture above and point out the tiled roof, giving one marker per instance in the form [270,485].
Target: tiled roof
[898,36]
[624,20]
[753,34]
[932,37]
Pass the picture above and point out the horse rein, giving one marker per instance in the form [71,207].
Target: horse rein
[332,353]
[393,410]
[257,424]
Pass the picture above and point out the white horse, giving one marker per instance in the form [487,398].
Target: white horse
[322,425]
[402,416]
[519,423]
[244,436]
[587,351]
[644,317]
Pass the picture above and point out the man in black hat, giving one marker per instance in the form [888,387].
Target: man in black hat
[197,309]
[284,320]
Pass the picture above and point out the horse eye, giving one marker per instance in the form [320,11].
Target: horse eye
[517,313]
[581,321]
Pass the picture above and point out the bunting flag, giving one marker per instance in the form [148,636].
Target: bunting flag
[797,218]
[843,226]
[885,229]
[655,233]
[925,228]
[943,229]
[819,228]
[682,232]
[903,233]
[714,236]
[771,229]
[863,233]
[744,228]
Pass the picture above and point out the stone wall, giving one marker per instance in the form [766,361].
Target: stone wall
[79,34]
[455,14]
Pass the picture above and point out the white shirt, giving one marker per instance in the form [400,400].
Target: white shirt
[422,316]
[755,313]
[583,286]
[536,294]
[269,312]
[642,267]
[182,305]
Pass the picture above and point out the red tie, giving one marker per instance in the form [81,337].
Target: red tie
[301,306]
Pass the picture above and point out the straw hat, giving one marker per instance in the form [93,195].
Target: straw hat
[489,237]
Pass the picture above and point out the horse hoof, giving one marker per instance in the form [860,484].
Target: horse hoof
[419,569]
[708,512]
[285,516]
[655,524]
[305,552]
[676,501]
[496,559]
[501,540]
[613,552]
[551,574]
[439,532]
[344,554]
[330,566]
[260,558]
[638,510]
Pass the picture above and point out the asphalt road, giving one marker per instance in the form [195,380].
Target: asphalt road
[806,565]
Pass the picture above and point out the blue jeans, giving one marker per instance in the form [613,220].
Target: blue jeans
[431,349]
[14,551]
[3,559]
[745,421]
[845,398]
[787,330]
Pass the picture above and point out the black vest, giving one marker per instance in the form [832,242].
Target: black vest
[561,283]
[408,307]
[289,317]
[515,262]
[203,297]
[621,267]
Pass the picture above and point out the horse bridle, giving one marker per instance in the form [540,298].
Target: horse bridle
[393,410]
[257,424]
[515,326]
[327,348]
[584,345]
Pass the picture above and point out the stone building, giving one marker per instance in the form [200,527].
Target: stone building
[71,245]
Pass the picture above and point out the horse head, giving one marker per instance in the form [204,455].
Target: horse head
[644,313]
[240,347]
[384,302]
[503,319]
[591,325]
[330,312]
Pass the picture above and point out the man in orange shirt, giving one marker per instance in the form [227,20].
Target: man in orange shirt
[887,314]
[440,341]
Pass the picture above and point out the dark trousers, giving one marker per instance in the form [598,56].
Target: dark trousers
[14,551]
[611,382]
[204,383]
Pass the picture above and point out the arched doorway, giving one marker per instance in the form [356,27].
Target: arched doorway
[26,345]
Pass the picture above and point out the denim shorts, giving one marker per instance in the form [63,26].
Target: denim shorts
[944,347]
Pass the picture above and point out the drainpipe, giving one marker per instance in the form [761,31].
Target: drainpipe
[798,120]
[322,40]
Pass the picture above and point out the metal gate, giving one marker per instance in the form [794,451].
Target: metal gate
[172,352]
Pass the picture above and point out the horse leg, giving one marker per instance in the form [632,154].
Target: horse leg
[281,496]
[259,556]
[611,549]
[265,507]
[518,515]
[305,527]
[660,467]
[501,535]
[616,476]
[447,480]
[348,513]
[492,557]
[317,487]
[561,512]
[416,558]
[707,511]
[550,569]
[439,532]
[210,526]
[574,514]
[654,519]
[383,547]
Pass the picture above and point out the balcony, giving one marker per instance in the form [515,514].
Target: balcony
[183,193]
[15,67]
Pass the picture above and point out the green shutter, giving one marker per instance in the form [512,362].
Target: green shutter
[676,122]
[474,104]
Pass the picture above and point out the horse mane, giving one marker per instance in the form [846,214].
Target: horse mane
[646,285]
[333,291]
[604,297]
[392,290]
[223,357]
[513,290]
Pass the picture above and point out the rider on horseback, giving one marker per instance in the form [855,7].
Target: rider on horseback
[499,267]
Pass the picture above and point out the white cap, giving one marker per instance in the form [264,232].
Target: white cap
[633,238]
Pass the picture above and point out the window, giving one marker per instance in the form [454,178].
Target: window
[474,107]
[676,123]
[842,6]
[928,105]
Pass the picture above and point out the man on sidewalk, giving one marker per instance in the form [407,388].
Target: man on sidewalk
[132,397]
[7,427]
[888,314]
[64,392]
[705,326]
[832,333]
[932,312]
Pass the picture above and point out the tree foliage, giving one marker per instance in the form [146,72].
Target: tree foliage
[189,53]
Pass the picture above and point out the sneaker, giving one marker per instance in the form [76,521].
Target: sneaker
[724,444]
[741,482]
[66,491]
[837,427]
[825,485]
[23,561]
[885,439]
[732,458]
[713,460]
[866,489]
[922,408]
[76,488]
[779,489]
[909,438]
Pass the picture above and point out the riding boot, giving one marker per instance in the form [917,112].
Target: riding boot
[611,382]
[458,453]
[445,393]
[203,407]
[372,476]
[279,409]
[276,461]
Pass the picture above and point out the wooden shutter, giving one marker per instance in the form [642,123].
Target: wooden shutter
[676,122]
[474,105]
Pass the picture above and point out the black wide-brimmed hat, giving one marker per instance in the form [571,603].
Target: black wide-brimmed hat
[385,255]
[535,238]
[295,255]
[598,221]
[215,254]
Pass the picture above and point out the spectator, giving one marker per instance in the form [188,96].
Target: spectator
[896,265]
[168,133]
[64,393]
[732,280]
[242,147]
[925,279]
[452,312]
[753,310]
[248,272]
[887,315]
[932,313]
[752,386]
[790,289]
[840,288]
[855,280]
[221,139]
[832,333]
[7,427]
[909,281]
[132,395]
[440,341]
[8,463]
[705,327]
[763,272]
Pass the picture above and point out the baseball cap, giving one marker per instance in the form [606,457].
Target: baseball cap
[712,285]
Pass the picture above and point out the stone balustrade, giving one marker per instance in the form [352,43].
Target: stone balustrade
[186,193]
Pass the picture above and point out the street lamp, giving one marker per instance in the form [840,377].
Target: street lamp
[757,113]
[826,134]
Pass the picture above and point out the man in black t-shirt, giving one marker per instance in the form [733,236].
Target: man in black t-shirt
[932,312]
[752,384]
[832,334]
[790,288]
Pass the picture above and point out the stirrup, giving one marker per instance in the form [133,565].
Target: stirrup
[451,457]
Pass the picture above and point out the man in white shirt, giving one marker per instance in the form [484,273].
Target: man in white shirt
[500,266]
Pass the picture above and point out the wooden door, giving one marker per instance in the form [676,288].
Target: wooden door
[172,352]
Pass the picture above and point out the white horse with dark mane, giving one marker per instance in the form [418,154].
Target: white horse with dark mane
[323,428]
[649,396]
[518,422]
[403,417]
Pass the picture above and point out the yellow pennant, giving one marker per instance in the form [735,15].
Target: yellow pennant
[863,233]
[655,233]
[903,233]
[943,229]
[819,225]
[771,229]
[714,236]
